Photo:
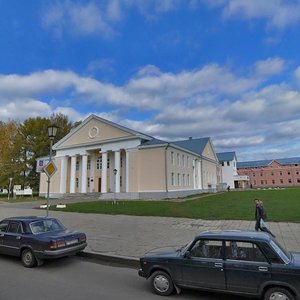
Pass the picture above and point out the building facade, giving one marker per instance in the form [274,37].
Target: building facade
[100,156]
[272,173]
[228,171]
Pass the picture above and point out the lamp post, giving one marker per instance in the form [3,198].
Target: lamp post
[52,129]
[9,187]
[115,171]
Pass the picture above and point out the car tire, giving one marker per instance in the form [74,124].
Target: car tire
[161,283]
[28,258]
[278,293]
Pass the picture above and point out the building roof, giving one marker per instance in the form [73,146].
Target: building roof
[226,156]
[264,163]
[194,145]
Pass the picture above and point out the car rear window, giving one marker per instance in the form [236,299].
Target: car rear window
[43,226]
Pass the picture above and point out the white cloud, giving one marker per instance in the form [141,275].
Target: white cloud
[239,112]
[278,13]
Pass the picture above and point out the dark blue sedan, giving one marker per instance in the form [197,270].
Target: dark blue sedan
[35,239]
[237,262]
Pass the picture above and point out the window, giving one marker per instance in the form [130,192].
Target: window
[183,162]
[280,173]
[228,163]
[14,227]
[183,179]
[178,179]
[261,174]
[107,162]
[77,165]
[222,163]
[253,174]
[273,181]
[172,157]
[298,180]
[290,180]
[261,182]
[207,249]
[289,173]
[77,182]
[172,179]
[187,161]
[272,173]
[3,226]
[188,179]
[121,181]
[88,182]
[297,172]
[99,163]
[281,181]
[254,182]
[88,167]
[178,159]
[245,251]
[273,257]
[121,163]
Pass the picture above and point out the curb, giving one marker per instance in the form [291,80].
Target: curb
[113,259]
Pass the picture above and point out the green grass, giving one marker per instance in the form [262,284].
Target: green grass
[281,205]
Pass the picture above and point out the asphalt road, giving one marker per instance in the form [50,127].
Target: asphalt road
[75,278]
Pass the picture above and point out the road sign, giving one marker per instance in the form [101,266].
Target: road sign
[50,168]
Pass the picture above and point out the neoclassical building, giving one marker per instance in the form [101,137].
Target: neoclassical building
[103,157]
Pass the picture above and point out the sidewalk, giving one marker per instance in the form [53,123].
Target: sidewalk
[132,236]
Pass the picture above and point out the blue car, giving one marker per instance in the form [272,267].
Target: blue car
[236,262]
[35,239]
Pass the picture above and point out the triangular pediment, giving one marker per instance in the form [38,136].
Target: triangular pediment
[209,151]
[96,130]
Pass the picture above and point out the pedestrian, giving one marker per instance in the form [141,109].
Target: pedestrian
[263,220]
[258,214]
[228,188]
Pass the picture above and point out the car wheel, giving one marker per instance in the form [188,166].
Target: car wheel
[161,283]
[278,293]
[28,258]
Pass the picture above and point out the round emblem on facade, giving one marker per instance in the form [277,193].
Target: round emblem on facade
[94,131]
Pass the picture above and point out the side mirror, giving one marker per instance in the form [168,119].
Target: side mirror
[187,254]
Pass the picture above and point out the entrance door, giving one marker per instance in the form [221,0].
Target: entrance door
[99,185]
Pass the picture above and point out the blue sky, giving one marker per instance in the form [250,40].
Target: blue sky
[228,69]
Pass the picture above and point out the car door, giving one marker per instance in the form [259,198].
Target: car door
[246,267]
[203,265]
[3,228]
[12,238]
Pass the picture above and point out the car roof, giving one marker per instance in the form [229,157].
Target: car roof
[235,234]
[27,218]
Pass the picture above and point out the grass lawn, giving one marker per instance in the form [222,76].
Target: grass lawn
[281,205]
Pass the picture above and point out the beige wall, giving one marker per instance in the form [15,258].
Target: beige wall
[209,173]
[185,170]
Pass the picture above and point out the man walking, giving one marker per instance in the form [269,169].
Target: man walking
[258,214]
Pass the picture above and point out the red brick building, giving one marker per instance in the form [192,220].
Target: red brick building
[271,173]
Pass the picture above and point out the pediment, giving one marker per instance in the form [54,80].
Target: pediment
[209,151]
[95,130]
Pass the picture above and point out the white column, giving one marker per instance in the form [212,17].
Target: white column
[73,174]
[199,175]
[92,173]
[117,166]
[127,171]
[84,159]
[104,173]
[63,175]
[194,174]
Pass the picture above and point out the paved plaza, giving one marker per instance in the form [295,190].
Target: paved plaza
[132,236]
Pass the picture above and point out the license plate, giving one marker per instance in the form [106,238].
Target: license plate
[71,242]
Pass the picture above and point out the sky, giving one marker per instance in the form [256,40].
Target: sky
[172,69]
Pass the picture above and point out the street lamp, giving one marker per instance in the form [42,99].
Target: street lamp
[52,130]
[115,171]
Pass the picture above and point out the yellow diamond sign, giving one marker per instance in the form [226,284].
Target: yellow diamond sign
[50,168]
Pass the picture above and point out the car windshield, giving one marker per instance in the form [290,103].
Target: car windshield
[284,255]
[43,226]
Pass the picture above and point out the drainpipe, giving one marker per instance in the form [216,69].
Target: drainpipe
[166,167]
